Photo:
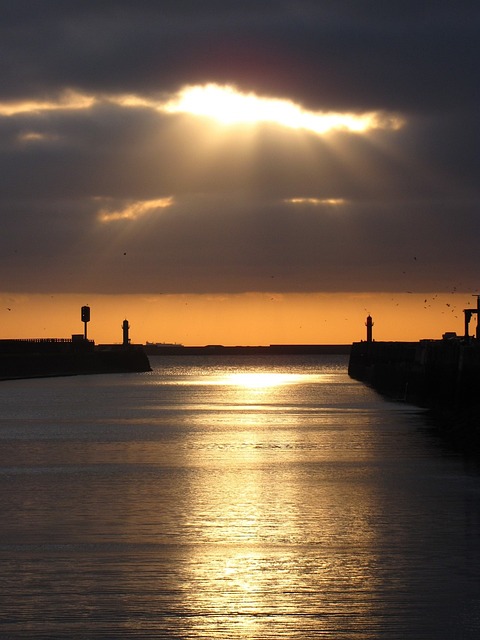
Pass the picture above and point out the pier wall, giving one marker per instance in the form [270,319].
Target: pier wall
[429,372]
[59,357]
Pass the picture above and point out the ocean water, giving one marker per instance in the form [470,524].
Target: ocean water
[234,498]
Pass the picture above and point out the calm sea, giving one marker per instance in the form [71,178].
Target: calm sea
[234,498]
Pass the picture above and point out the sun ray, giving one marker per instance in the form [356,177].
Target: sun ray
[134,210]
[332,202]
[68,100]
[227,105]
[223,103]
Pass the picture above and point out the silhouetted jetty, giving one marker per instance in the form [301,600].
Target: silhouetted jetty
[45,357]
[429,372]
[440,375]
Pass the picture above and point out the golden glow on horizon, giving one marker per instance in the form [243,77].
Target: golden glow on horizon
[235,319]
[134,210]
[222,103]
[227,105]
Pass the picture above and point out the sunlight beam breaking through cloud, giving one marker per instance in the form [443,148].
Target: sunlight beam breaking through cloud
[134,210]
[332,202]
[224,104]
[67,101]
[227,105]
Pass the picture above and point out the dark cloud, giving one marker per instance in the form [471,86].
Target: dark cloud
[223,245]
[406,192]
[139,153]
[330,54]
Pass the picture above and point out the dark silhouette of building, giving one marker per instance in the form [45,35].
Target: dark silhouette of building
[369,325]
[125,328]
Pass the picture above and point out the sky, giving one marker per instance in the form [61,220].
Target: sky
[239,173]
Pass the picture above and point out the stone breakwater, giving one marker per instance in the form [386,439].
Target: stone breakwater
[58,357]
[428,372]
[441,375]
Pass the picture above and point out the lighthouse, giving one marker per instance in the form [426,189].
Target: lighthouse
[369,325]
[126,328]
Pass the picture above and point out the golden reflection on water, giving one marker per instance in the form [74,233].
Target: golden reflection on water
[207,504]
[262,380]
[283,539]
[249,379]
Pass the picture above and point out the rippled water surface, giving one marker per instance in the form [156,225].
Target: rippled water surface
[233,498]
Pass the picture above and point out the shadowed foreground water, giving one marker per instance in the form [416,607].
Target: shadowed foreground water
[241,498]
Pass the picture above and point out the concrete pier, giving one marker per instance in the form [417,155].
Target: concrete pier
[60,357]
[430,373]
